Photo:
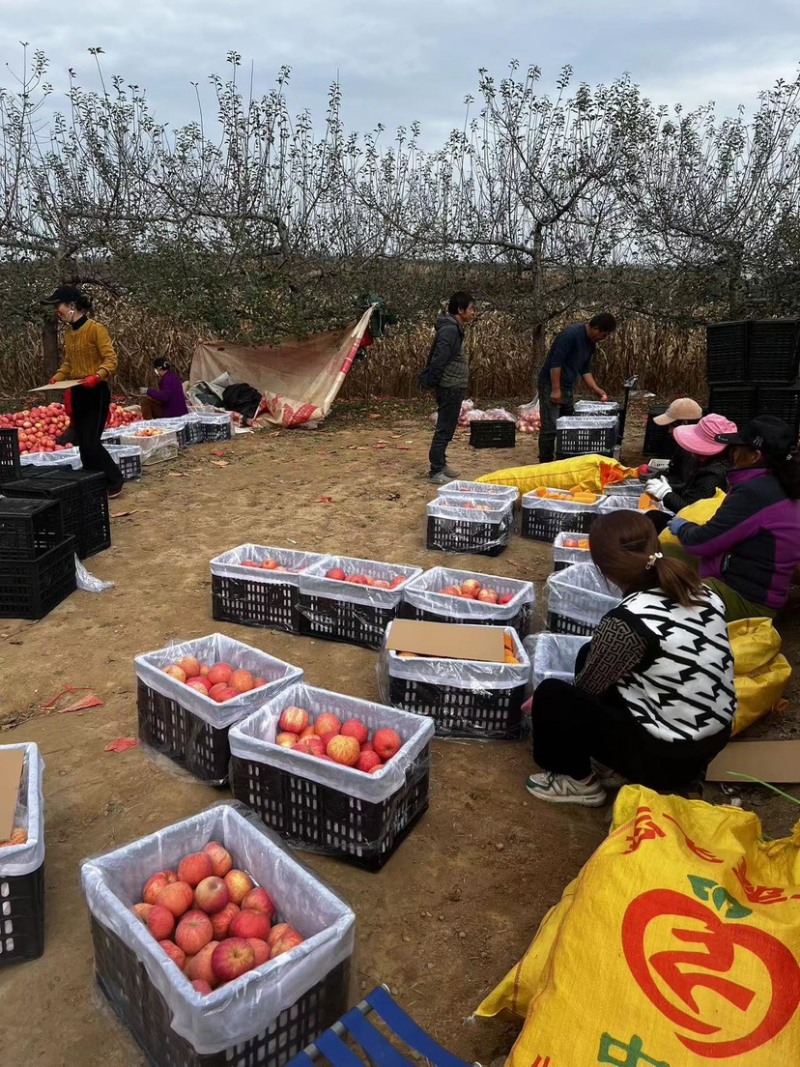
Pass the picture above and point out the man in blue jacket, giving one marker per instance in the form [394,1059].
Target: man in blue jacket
[569,359]
[447,371]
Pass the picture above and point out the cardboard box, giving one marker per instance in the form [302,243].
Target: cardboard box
[441,640]
[769,761]
[11,764]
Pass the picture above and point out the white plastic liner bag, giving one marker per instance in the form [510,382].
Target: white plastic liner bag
[231,564]
[455,489]
[254,739]
[236,1012]
[597,407]
[553,656]
[561,502]
[157,449]
[580,594]
[67,457]
[465,525]
[314,583]
[562,553]
[216,648]
[424,593]
[19,860]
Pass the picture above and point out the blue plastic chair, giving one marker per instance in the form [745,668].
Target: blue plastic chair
[379,1051]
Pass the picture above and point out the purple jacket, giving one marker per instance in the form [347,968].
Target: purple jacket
[753,542]
[170,395]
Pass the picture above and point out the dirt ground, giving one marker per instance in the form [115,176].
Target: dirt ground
[459,902]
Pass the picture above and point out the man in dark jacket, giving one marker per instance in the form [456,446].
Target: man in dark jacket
[447,371]
[569,359]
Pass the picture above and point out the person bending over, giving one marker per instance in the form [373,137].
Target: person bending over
[169,400]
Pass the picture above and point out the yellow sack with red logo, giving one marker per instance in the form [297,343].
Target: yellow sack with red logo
[590,472]
[701,512]
[678,945]
[761,672]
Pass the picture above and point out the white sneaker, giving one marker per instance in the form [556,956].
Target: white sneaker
[561,789]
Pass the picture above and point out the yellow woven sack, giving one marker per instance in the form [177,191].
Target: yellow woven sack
[760,671]
[701,512]
[678,947]
[585,471]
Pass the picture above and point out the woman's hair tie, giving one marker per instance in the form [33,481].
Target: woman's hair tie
[651,560]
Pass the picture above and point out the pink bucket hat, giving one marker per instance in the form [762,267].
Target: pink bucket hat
[700,439]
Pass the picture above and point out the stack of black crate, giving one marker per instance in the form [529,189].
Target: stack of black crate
[37,559]
[752,369]
[83,497]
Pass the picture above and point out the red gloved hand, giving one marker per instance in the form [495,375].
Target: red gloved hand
[92,381]
[53,380]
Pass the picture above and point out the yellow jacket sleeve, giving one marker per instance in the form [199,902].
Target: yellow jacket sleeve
[105,347]
[64,372]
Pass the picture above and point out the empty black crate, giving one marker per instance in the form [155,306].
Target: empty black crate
[126,984]
[129,463]
[491,714]
[773,350]
[493,433]
[317,816]
[21,917]
[30,589]
[246,602]
[585,440]
[9,455]
[474,537]
[188,740]
[739,403]
[726,352]
[94,532]
[658,441]
[781,401]
[544,524]
[562,624]
[28,528]
[194,431]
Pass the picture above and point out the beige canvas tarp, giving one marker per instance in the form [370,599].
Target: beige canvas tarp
[299,379]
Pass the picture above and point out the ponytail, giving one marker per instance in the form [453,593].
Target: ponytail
[678,581]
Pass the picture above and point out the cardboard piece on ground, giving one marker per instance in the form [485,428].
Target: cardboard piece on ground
[771,761]
[445,641]
[56,386]
[11,763]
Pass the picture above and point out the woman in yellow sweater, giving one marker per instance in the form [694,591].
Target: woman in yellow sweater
[89,356]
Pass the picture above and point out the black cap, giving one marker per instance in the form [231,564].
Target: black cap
[63,294]
[766,433]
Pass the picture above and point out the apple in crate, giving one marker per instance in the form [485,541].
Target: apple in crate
[327,723]
[261,950]
[312,746]
[337,574]
[198,968]
[194,932]
[174,671]
[242,681]
[232,958]
[355,728]
[154,885]
[176,897]
[387,743]
[221,860]
[177,955]
[471,587]
[286,740]
[249,924]
[294,720]
[199,986]
[258,899]
[194,868]
[238,885]
[212,894]
[220,673]
[190,666]
[221,920]
[505,598]
[451,590]
[344,750]
[487,596]
[291,939]
[160,922]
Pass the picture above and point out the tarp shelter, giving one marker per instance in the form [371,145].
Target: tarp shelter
[299,379]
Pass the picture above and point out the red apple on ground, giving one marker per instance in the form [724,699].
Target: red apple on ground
[355,728]
[258,899]
[232,958]
[221,860]
[177,955]
[344,750]
[250,924]
[194,932]
[194,868]
[221,920]
[387,743]
[238,885]
[212,894]
[160,922]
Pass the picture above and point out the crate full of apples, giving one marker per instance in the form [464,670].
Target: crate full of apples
[473,689]
[214,945]
[21,855]
[478,525]
[444,595]
[332,773]
[257,585]
[190,694]
[352,600]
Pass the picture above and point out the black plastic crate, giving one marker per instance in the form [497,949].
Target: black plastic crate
[30,589]
[29,528]
[658,441]
[540,524]
[142,1009]
[21,917]
[586,440]
[194,432]
[353,622]
[491,714]
[562,624]
[519,622]
[184,737]
[216,429]
[272,605]
[320,817]
[739,403]
[471,536]
[10,467]
[130,466]
[773,350]
[781,401]
[40,485]
[95,522]
[493,433]
[726,352]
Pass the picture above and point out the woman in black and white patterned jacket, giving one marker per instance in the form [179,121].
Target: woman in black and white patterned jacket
[653,697]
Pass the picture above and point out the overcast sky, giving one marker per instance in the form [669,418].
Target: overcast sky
[401,60]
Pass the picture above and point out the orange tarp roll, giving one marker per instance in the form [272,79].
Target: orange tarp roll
[299,379]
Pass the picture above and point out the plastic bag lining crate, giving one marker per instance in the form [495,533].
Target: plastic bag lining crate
[658,441]
[250,596]
[464,698]
[423,601]
[9,455]
[129,460]
[267,1016]
[189,727]
[94,530]
[112,437]
[344,611]
[324,807]
[492,433]
[217,427]
[580,436]
[154,450]
[739,403]
[563,556]
[543,519]
[176,426]
[67,457]
[578,598]
[28,528]
[453,528]
[596,407]
[30,589]
[553,656]
[194,429]
[726,353]
[22,872]
[457,489]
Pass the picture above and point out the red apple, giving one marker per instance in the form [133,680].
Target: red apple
[387,743]
[198,968]
[200,986]
[261,950]
[194,932]
[294,720]
[177,955]
[505,598]
[471,587]
[212,894]
[355,728]
[286,740]
[337,574]
[258,899]
[242,681]
[174,671]
[142,911]
[221,860]
[368,760]
[176,897]
[344,750]
[160,922]
[311,746]
[286,944]
[232,958]
[221,920]
[238,885]
[250,924]
[154,885]
[194,868]
[278,931]
[199,684]
[487,596]
[222,693]
[190,666]
[327,723]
